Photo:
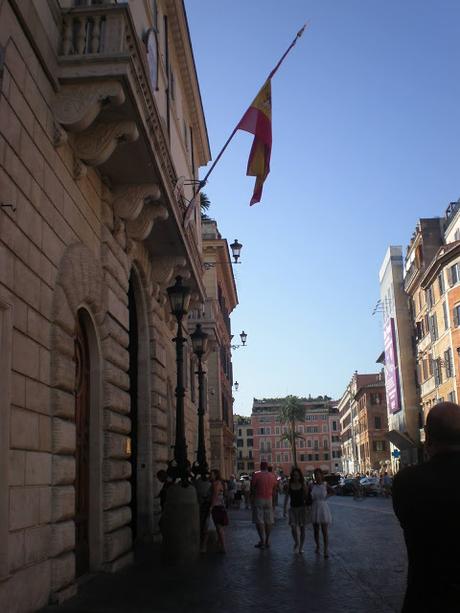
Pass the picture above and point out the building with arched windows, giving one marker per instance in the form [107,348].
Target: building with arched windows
[102,133]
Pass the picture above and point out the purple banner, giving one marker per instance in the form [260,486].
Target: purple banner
[391,367]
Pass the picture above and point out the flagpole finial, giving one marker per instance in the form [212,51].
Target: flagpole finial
[301,31]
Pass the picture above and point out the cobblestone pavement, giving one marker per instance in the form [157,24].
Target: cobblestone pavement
[365,572]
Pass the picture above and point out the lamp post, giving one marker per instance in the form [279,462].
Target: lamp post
[199,344]
[179,299]
[181,518]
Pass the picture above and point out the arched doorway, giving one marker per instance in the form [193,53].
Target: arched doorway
[133,392]
[82,453]
[140,397]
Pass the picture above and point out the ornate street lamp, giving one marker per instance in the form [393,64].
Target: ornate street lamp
[199,344]
[236,250]
[243,337]
[179,299]
[236,385]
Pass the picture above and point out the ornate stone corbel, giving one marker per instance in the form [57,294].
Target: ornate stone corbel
[96,144]
[77,105]
[79,169]
[128,200]
[140,228]
[163,269]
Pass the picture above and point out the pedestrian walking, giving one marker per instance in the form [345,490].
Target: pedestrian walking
[386,485]
[203,488]
[218,511]
[426,500]
[263,486]
[320,513]
[299,512]
[231,492]
[162,477]
[245,491]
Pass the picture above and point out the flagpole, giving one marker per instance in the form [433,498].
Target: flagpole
[283,57]
[203,181]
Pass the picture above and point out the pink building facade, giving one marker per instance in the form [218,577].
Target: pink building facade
[318,447]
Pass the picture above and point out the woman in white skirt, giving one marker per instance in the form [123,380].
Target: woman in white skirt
[299,513]
[320,513]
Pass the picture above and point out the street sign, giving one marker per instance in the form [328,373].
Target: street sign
[396,453]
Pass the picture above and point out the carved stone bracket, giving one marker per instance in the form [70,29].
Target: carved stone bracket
[140,228]
[128,200]
[96,144]
[77,105]
[163,270]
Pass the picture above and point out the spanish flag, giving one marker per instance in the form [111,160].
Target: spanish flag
[258,121]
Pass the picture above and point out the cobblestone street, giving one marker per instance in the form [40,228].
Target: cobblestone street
[365,572]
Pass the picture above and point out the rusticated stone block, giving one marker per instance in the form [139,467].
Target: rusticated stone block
[116,399]
[37,541]
[115,353]
[62,313]
[38,468]
[116,494]
[116,445]
[114,267]
[115,375]
[117,308]
[62,341]
[116,331]
[63,404]
[159,418]
[117,518]
[115,470]
[115,422]
[24,507]
[62,571]
[16,550]
[62,537]
[120,563]
[63,372]
[160,436]
[63,503]
[116,543]
[63,470]
[64,436]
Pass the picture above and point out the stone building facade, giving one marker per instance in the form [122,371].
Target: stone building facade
[314,448]
[244,436]
[221,299]
[100,122]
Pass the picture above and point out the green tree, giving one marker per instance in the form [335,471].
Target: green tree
[205,203]
[291,412]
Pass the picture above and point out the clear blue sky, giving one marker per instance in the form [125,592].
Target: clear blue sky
[366,134]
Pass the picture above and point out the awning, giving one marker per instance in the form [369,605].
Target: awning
[400,440]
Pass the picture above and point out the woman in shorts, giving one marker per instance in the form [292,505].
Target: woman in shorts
[218,511]
[299,513]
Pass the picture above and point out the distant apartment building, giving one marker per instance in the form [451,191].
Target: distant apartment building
[364,424]
[372,425]
[398,358]
[244,436]
[314,446]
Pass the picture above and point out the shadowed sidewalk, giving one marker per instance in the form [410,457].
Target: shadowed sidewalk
[365,572]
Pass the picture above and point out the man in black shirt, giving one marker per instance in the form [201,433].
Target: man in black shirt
[426,500]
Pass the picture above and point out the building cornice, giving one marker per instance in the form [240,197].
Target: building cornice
[445,254]
[184,55]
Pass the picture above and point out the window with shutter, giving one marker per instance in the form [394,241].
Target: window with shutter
[446,317]
[441,283]
[456,313]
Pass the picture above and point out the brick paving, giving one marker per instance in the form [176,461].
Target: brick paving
[364,574]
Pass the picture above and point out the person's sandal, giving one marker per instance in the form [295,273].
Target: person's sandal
[259,546]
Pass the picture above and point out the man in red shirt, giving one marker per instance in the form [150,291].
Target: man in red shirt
[263,488]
